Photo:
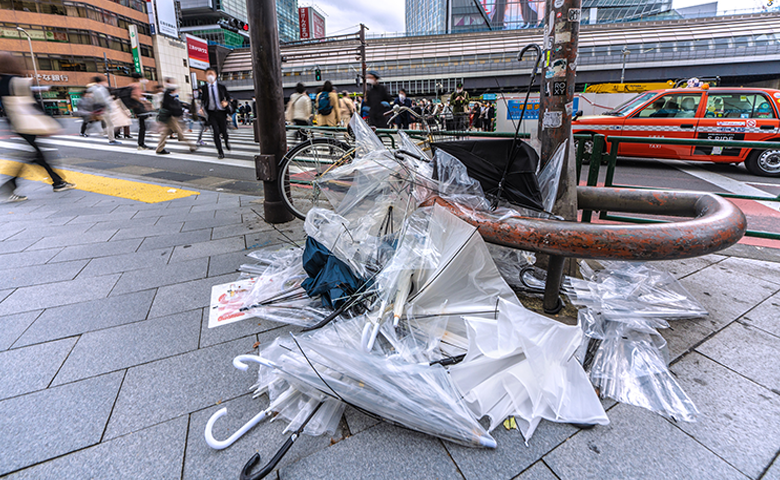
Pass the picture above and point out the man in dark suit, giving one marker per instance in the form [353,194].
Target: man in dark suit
[215,102]
[403,118]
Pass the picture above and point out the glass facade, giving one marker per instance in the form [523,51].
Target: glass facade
[426,16]
[287,14]
[200,13]
[431,16]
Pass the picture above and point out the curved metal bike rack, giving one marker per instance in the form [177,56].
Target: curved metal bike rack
[715,223]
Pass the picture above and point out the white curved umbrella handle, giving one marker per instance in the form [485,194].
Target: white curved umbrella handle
[369,336]
[220,444]
[238,362]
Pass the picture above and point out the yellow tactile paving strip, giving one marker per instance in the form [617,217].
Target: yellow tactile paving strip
[115,187]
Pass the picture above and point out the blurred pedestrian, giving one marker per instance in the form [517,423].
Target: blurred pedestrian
[170,114]
[346,107]
[215,105]
[234,113]
[25,116]
[90,112]
[99,90]
[140,107]
[377,100]
[402,120]
[299,109]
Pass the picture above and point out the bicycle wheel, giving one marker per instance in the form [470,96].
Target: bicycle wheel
[301,169]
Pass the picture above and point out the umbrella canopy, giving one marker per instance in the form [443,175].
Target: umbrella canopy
[486,161]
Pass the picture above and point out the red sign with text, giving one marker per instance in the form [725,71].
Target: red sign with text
[303,21]
[198,52]
[317,24]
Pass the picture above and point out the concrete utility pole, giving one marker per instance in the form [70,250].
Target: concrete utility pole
[267,69]
[561,30]
[363,29]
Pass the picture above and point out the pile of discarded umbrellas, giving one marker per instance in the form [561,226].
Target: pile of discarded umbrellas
[409,316]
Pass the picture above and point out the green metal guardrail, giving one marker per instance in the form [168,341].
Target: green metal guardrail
[414,133]
[599,154]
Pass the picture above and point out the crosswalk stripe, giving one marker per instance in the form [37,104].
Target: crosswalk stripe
[235,162]
[171,144]
[24,147]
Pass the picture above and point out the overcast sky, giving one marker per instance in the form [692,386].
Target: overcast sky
[379,16]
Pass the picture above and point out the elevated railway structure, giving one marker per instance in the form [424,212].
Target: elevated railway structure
[741,49]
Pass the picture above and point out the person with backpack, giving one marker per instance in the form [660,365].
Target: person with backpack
[327,104]
[171,112]
[140,107]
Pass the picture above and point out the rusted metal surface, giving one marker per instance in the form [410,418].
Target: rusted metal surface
[714,224]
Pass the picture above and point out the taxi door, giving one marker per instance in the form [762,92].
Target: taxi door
[735,115]
[672,115]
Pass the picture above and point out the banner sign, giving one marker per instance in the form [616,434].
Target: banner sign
[152,17]
[516,106]
[166,18]
[198,52]
[134,46]
[303,21]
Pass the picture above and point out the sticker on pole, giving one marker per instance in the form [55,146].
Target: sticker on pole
[559,89]
[558,3]
[552,120]
[227,300]
[575,14]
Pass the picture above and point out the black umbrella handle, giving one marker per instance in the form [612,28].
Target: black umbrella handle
[512,153]
[269,467]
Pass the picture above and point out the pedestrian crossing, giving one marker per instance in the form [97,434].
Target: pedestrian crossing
[243,147]
[242,152]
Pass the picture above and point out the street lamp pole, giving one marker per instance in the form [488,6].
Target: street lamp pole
[32,55]
[625,53]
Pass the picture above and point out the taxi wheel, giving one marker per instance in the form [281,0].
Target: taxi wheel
[765,163]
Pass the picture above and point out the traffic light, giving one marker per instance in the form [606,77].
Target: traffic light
[318,75]
[245,27]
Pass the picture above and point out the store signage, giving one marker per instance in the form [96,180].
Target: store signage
[43,77]
[317,24]
[137,66]
[303,21]
[166,18]
[198,52]
[312,23]
[152,17]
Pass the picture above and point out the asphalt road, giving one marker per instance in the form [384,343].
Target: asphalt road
[236,173]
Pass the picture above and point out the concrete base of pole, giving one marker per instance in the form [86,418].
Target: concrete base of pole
[273,207]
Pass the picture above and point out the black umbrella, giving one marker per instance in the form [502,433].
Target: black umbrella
[487,160]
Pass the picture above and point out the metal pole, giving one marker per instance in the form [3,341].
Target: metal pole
[561,30]
[105,67]
[363,58]
[623,70]
[32,55]
[267,67]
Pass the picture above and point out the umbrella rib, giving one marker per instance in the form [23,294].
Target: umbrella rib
[441,270]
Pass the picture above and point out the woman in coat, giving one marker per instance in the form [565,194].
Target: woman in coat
[327,116]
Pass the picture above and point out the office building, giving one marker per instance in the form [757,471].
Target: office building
[224,22]
[458,16]
[69,40]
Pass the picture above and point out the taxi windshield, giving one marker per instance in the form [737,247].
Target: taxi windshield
[628,107]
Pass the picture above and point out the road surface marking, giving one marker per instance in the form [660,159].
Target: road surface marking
[115,187]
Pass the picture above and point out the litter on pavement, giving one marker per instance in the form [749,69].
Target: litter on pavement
[409,316]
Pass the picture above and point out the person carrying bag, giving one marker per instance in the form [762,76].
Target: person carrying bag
[27,119]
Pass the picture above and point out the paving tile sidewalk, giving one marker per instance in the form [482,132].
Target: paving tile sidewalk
[108,369]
